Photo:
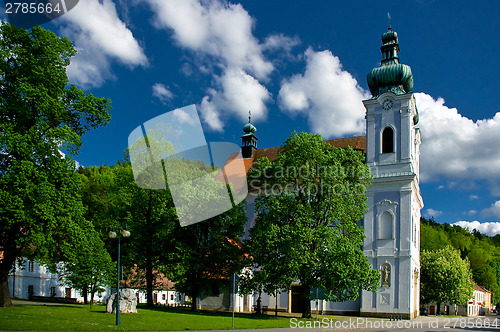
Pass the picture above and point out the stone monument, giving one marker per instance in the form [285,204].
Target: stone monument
[128,302]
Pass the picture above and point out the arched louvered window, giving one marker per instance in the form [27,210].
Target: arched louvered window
[388,140]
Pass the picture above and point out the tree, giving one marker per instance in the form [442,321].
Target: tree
[41,214]
[112,196]
[445,277]
[91,269]
[306,219]
[207,253]
[265,270]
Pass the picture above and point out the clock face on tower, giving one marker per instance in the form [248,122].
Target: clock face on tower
[387,104]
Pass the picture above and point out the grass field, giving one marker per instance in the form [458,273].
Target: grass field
[81,318]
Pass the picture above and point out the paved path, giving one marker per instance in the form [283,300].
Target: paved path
[420,324]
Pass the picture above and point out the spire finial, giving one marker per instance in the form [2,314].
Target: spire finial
[249,116]
[389,18]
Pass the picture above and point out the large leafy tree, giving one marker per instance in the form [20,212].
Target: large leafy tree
[41,214]
[204,255]
[307,214]
[112,200]
[445,277]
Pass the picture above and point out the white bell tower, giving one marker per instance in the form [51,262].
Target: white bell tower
[392,222]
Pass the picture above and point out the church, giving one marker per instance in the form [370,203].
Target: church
[392,221]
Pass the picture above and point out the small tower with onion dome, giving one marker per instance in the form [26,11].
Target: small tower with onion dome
[248,140]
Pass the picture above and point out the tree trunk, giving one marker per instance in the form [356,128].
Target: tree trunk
[306,298]
[92,292]
[85,294]
[194,296]
[5,300]
[259,303]
[149,281]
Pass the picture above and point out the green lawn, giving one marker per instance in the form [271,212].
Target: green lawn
[80,317]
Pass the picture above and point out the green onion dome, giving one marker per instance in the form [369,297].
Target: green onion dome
[249,128]
[391,75]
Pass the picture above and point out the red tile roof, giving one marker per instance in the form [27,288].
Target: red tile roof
[356,142]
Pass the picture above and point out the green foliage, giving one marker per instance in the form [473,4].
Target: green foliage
[445,277]
[91,269]
[113,200]
[41,214]
[306,230]
[482,252]
[206,254]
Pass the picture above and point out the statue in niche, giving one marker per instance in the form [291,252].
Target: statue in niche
[386,275]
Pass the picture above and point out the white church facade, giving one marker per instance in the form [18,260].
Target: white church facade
[392,222]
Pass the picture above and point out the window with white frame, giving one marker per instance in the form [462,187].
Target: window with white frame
[31,266]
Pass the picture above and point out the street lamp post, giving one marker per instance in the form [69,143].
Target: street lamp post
[112,234]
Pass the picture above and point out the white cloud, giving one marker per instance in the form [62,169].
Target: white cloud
[488,228]
[162,92]
[280,42]
[237,94]
[328,95]
[100,37]
[214,28]
[431,213]
[210,115]
[471,196]
[492,211]
[456,147]
[184,118]
[220,36]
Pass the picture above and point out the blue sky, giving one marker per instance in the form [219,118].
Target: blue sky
[301,65]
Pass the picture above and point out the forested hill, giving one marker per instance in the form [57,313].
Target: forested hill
[483,251]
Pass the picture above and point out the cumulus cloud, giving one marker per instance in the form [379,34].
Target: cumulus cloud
[492,211]
[488,228]
[327,95]
[454,146]
[219,29]
[431,213]
[162,92]
[210,115]
[100,36]
[219,35]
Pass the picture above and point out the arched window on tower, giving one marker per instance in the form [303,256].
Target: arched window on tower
[388,140]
